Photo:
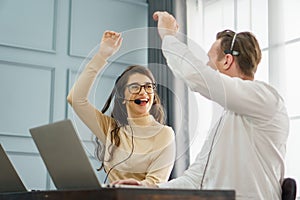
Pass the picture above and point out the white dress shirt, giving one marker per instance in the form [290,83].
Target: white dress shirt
[245,149]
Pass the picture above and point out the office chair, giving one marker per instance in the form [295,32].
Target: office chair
[289,189]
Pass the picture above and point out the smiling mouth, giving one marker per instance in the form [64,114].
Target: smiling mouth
[144,100]
[141,102]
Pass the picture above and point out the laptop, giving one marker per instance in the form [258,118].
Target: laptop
[64,156]
[9,178]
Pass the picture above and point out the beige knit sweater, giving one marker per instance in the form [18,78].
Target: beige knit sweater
[154,144]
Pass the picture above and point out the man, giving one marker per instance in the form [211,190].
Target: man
[245,149]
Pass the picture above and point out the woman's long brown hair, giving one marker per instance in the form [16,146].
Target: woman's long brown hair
[119,112]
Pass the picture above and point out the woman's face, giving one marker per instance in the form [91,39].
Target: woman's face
[137,87]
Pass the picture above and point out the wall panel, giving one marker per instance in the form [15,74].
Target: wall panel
[29,24]
[25,96]
[90,18]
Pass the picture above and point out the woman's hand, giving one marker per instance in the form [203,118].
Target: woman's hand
[110,44]
[129,181]
[132,181]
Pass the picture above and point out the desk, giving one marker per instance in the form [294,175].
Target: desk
[122,194]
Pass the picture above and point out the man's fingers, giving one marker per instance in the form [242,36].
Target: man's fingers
[156,15]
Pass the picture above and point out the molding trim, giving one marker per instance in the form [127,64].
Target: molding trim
[135,2]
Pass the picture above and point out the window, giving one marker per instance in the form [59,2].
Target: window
[292,47]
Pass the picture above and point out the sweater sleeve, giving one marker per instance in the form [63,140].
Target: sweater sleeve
[189,180]
[252,98]
[162,160]
[97,122]
[192,177]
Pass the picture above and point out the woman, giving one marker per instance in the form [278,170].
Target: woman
[137,144]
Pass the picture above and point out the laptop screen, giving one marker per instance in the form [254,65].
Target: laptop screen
[64,156]
[9,178]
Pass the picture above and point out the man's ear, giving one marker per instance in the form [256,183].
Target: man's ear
[228,60]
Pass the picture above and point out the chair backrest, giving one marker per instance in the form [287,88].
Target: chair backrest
[289,189]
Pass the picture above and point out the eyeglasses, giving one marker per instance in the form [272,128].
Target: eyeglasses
[135,88]
[231,51]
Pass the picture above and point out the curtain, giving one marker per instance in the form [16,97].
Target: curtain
[173,92]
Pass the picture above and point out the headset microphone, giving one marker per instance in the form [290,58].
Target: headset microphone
[136,101]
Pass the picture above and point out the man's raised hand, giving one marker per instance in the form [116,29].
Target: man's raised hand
[166,23]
